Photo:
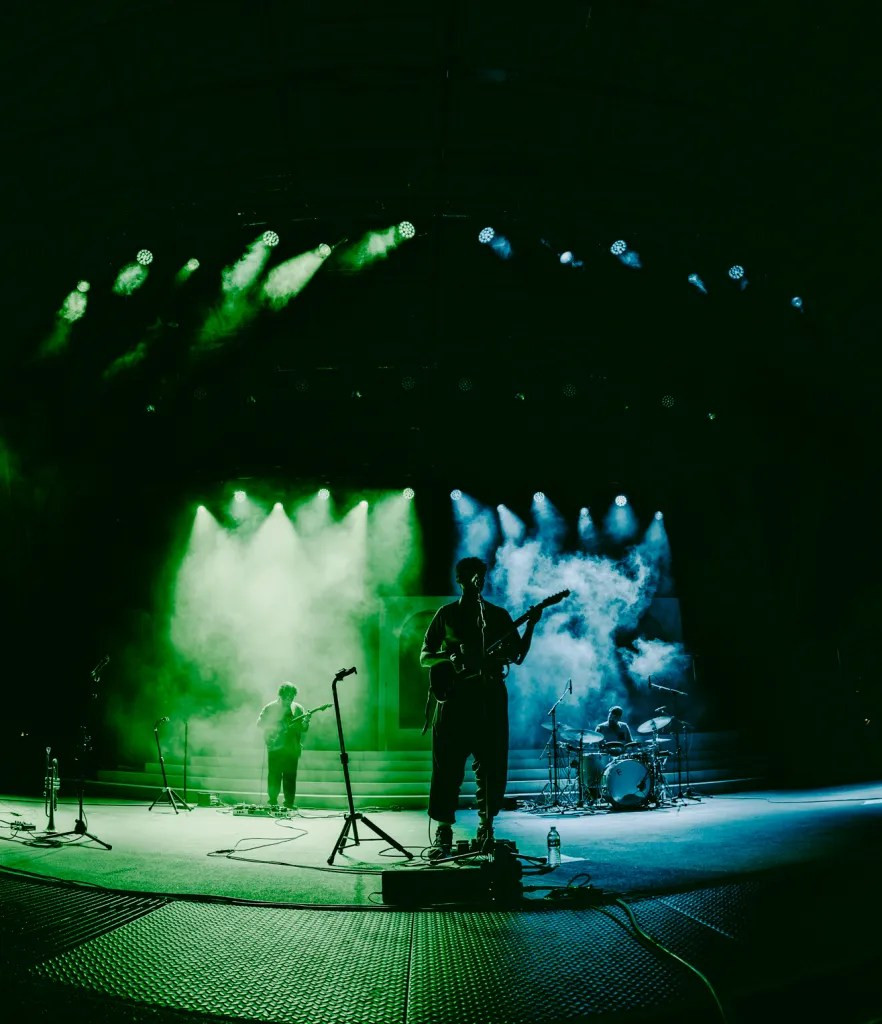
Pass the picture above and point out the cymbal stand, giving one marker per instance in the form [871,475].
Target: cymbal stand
[679,727]
[353,817]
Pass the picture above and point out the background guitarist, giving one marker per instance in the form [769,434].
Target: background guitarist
[471,702]
[284,723]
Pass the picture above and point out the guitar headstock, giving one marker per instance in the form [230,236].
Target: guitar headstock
[554,599]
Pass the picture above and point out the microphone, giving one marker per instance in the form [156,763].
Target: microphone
[159,721]
[344,672]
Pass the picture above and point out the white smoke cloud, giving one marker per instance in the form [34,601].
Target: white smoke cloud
[579,638]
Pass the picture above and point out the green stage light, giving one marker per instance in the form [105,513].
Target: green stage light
[270,238]
[193,264]
[406,229]
[74,307]
[324,494]
[324,250]
[83,287]
[408,493]
[239,496]
[144,257]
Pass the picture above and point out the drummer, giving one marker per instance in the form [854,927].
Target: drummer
[614,731]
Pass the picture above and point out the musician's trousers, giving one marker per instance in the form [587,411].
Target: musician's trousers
[473,722]
[281,774]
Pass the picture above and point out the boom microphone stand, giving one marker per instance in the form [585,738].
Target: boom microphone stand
[555,784]
[352,817]
[166,793]
[680,727]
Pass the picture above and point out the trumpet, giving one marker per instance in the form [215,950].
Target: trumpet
[51,784]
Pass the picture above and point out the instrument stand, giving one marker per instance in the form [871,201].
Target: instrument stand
[352,817]
[166,794]
[554,783]
[681,796]
[79,828]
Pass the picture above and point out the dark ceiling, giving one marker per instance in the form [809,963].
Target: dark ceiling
[703,135]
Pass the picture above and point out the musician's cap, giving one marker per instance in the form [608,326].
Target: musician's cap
[466,568]
[287,688]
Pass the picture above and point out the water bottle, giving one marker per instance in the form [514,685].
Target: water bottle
[553,848]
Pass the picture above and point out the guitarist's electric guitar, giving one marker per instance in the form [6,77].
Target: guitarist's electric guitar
[444,676]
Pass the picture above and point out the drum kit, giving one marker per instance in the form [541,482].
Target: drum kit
[585,771]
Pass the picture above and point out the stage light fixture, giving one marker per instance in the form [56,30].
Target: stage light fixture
[149,407]
[619,247]
[455,494]
[406,229]
[699,284]
[193,264]
[408,493]
[144,257]
[711,415]
[736,272]
[270,238]
[324,494]
[486,235]
[584,513]
[658,517]
[239,496]
[465,384]
[796,302]
[83,286]
[277,507]
[324,250]
[569,390]
[539,497]
[668,401]
[566,257]
[621,500]
[408,383]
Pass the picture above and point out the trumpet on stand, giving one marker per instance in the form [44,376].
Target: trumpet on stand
[51,782]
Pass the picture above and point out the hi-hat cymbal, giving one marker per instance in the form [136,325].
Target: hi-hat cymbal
[655,723]
[560,728]
[660,740]
[585,735]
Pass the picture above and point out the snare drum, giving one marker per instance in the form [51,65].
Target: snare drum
[626,784]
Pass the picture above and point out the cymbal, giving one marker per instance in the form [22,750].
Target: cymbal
[585,735]
[660,740]
[657,723]
[560,728]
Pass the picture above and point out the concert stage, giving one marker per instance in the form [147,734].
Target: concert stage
[214,915]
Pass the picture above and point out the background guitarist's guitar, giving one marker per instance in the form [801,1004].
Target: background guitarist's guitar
[443,676]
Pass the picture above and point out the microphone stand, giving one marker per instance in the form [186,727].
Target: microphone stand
[352,816]
[679,727]
[555,786]
[166,793]
[79,828]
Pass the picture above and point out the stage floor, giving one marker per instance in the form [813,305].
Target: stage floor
[210,915]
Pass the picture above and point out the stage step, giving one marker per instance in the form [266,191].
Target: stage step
[399,778]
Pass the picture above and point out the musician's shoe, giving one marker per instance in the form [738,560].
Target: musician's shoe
[485,836]
[442,844]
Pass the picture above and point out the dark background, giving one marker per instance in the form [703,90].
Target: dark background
[703,136]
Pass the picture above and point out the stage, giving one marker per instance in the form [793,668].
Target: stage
[212,914]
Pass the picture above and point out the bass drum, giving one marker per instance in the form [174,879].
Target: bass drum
[626,784]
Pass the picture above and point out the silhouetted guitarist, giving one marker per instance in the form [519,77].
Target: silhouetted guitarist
[467,648]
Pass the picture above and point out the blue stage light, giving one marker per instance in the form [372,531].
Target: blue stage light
[796,302]
[486,235]
[455,494]
[736,272]
[539,497]
[658,516]
[621,500]
[566,257]
[618,248]
[699,284]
